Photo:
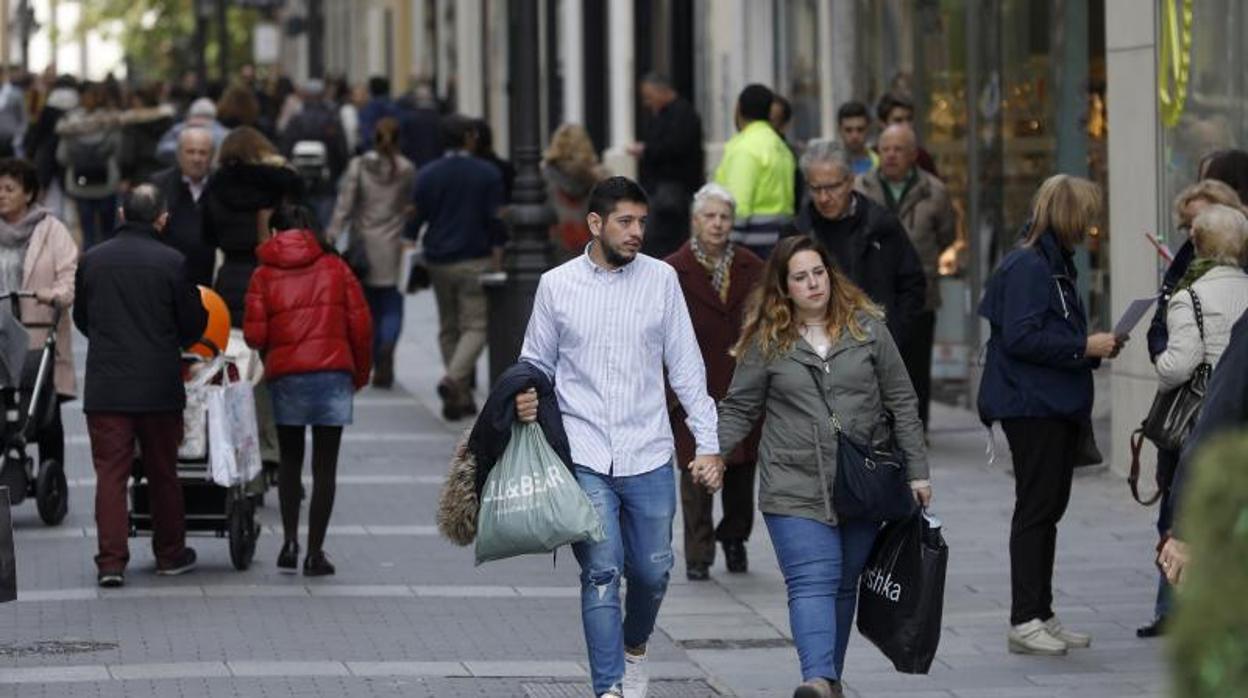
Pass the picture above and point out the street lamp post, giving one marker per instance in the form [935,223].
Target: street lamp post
[529,217]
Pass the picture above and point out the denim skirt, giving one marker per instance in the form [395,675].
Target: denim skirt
[323,399]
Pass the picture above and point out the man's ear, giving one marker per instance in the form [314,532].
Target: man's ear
[595,223]
[162,221]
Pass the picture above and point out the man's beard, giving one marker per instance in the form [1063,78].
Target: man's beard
[614,257]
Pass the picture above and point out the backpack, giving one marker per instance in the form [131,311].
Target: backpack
[89,160]
[311,160]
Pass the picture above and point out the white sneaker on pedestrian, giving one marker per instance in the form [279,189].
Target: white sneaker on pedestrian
[613,692]
[636,678]
[1032,638]
[1072,639]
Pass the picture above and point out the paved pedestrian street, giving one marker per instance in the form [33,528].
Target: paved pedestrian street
[409,615]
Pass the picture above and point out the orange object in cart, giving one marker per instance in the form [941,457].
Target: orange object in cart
[217,332]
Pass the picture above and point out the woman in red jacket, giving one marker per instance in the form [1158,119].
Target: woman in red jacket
[306,314]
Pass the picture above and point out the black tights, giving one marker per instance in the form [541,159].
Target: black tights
[325,442]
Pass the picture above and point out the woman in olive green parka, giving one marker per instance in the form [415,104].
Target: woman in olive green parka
[809,331]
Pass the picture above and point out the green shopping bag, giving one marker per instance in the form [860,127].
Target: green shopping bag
[531,502]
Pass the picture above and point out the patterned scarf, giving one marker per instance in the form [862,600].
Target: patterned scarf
[1195,270]
[718,270]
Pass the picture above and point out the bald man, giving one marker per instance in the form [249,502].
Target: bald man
[182,186]
[922,204]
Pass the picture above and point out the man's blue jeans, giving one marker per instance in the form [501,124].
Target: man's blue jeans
[636,514]
[821,564]
[386,305]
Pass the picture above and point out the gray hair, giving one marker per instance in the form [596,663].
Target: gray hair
[713,192]
[189,131]
[1219,233]
[825,152]
[143,204]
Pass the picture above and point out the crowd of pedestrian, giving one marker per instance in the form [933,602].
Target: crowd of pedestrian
[788,305]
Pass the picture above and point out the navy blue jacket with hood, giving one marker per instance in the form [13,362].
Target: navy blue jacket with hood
[1035,365]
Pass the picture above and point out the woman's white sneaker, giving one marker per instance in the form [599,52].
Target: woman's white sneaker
[1072,639]
[1032,638]
[636,678]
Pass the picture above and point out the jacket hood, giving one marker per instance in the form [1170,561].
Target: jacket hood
[148,115]
[79,122]
[290,249]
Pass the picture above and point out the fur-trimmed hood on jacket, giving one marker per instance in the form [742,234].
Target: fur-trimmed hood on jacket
[458,503]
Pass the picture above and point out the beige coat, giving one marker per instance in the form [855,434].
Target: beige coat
[379,213]
[1223,292]
[927,215]
[50,264]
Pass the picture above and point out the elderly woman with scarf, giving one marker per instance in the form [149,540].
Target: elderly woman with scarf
[37,253]
[716,278]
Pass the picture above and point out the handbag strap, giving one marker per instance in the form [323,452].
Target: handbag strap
[823,397]
[1200,316]
[1133,478]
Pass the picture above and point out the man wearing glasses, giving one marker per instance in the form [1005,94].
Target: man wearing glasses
[868,243]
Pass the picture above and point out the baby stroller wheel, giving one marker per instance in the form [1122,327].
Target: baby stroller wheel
[52,492]
[242,532]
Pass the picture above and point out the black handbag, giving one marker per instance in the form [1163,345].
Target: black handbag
[870,479]
[1174,412]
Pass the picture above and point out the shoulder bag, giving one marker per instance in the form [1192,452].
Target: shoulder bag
[1174,412]
[870,482]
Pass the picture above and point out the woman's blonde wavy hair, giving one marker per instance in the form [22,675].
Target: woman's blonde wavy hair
[770,317]
[572,151]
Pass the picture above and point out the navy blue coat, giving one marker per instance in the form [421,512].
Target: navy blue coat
[1158,334]
[1035,363]
[492,431]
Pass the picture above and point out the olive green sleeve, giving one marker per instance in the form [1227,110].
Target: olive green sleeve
[741,407]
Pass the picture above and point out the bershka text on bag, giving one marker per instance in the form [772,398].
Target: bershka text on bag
[880,582]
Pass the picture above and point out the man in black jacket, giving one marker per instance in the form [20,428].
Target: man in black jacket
[318,122]
[671,164]
[181,186]
[868,243]
[138,311]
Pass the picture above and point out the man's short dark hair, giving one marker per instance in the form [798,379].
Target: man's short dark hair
[608,193]
[455,130]
[658,80]
[852,110]
[143,204]
[378,86]
[754,103]
[786,109]
[890,101]
[23,172]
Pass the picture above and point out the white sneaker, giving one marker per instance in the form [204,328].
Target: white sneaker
[636,678]
[1032,638]
[1071,638]
[613,692]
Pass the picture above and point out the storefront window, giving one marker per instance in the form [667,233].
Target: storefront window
[1214,115]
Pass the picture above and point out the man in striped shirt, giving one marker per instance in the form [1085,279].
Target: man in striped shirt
[604,327]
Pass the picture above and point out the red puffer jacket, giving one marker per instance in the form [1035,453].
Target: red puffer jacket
[306,310]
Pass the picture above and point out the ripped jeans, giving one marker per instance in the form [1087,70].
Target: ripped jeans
[636,513]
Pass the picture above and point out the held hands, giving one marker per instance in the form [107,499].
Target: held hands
[708,471]
[526,406]
[45,296]
[1103,345]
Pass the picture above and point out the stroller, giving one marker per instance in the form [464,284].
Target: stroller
[211,509]
[28,396]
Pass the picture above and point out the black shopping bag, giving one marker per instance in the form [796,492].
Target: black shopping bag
[8,565]
[901,592]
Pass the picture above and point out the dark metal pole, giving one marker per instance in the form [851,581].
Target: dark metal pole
[529,217]
[223,40]
[316,39]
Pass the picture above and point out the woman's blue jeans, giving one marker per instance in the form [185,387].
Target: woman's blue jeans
[636,513]
[386,305]
[821,564]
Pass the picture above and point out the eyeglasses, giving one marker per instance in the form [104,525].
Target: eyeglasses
[821,189]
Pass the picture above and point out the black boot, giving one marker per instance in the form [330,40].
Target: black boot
[383,371]
[735,557]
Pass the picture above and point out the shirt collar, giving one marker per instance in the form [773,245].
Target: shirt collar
[593,266]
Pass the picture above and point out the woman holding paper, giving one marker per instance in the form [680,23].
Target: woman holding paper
[1038,383]
[374,202]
